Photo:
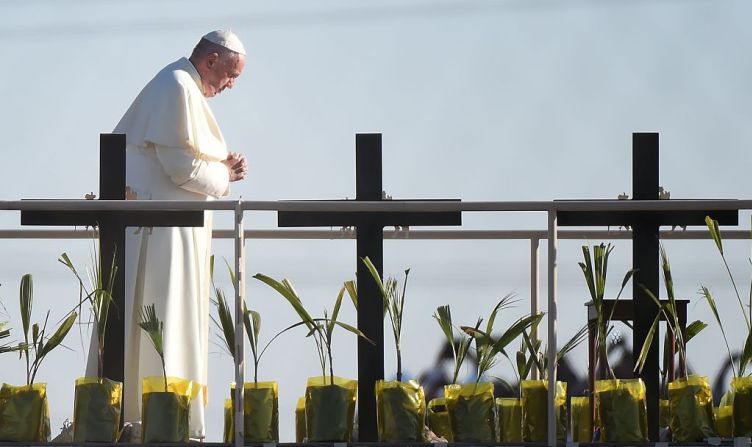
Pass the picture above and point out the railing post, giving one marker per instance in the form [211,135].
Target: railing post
[553,243]
[534,290]
[239,300]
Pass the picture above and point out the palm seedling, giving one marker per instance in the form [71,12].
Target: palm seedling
[394,305]
[746,311]
[486,347]
[251,323]
[38,343]
[154,328]
[669,311]
[98,294]
[321,329]
[539,359]
[595,269]
[460,345]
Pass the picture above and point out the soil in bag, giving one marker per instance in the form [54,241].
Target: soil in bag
[664,413]
[400,411]
[534,397]
[582,432]
[724,421]
[472,412]
[621,408]
[260,411]
[24,413]
[166,412]
[509,419]
[229,423]
[691,409]
[165,417]
[330,409]
[742,388]
[300,424]
[96,413]
[438,418]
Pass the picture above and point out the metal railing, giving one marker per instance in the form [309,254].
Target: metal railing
[552,234]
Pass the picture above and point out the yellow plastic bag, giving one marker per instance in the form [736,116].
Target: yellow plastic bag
[534,397]
[724,421]
[165,412]
[330,408]
[260,411]
[742,389]
[229,423]
[582,432]
[300,425]
[472,412]
[622,412]
[509,419]
[438,418]
[24,413]
[691,409]
[664,413]
[96,412]
[400,411]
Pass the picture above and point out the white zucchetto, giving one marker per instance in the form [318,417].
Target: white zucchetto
[226,39]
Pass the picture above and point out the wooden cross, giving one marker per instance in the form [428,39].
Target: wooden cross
[112,225]
[370,242]
[645,253]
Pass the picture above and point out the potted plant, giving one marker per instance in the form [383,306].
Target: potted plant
[472,407]
[438,418]
[620,403]
[24,410]
[330,400]
[534,393]
[260,399]
[400,406]
[165,408]
[690,396]
[97,403]
[740,398]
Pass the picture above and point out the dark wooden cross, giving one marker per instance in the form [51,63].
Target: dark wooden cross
[645,253]
[112,224]
[370,242]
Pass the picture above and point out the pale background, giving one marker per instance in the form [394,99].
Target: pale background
[478,100]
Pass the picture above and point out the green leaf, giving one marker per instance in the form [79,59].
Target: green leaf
[355,331]
[693,329]
[154,328]
[715,232]
[746,354]
[705,292]
[287,291]
[646,345]
[26,297]
[58,336]
[352,290]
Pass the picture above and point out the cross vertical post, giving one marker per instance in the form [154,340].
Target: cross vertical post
[112,237]
[112,226]
[370,309]
[646,262]
[645,258]
[370,243]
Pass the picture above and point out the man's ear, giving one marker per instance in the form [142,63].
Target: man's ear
[211,59]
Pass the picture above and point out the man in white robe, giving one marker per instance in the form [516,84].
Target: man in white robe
[175,151]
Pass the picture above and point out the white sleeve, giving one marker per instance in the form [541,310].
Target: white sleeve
[209,178]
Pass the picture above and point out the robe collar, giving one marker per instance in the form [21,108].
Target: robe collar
[191,70]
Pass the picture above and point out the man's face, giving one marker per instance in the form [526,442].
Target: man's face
[221,73]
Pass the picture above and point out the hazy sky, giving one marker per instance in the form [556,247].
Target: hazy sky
[478,100]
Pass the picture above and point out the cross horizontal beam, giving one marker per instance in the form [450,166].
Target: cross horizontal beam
[126,219]
[630,218]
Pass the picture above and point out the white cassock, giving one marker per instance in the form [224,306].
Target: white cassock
[174,152]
